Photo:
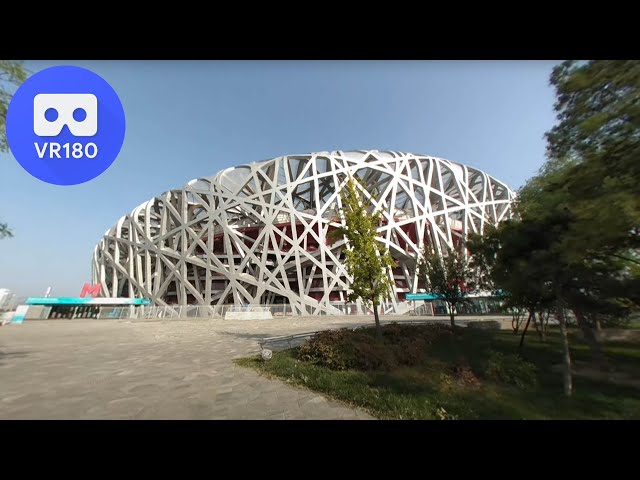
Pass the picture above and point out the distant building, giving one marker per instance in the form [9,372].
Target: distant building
[258,233]
[6,299]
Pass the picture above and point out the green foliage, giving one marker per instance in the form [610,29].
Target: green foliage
[12,74]
[592,177]
[444,386]
[511,370]
[401,345]
[576,244]
[442,414]
[598,108]
[517,258]
[366,260]
[458,375]
[526,259]
[5,231]
[345,349]
[450,276]
[395,332]
[485,325]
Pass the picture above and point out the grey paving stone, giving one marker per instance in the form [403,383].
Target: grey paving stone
[84,369]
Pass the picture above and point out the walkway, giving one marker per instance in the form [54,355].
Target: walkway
[90,369]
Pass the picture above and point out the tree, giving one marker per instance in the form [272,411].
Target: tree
[519,257]
[501,258]
[12,74]
[366,260]
[593,174]
[576,243]
[5,231]
[449,276]
[593,166]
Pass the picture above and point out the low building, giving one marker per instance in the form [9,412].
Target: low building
[42,308]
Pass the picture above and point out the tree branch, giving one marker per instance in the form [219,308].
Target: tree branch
[621,257]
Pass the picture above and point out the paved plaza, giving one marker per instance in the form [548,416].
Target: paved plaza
[179,369]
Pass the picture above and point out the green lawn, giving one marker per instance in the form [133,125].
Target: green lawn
[433,391]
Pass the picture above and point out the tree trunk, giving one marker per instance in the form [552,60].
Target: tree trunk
[377,319]
[543,328]
[535,324]
[452,316]
[598,326]
[592,339]
[524,332]
[515,323]
[566,356]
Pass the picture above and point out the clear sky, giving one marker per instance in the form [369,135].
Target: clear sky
[191,119]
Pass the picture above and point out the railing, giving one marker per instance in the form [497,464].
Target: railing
[289,341]
[343,308]
[422,310]
[249,308]
[219,311]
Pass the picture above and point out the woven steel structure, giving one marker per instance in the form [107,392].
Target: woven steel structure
[257,233]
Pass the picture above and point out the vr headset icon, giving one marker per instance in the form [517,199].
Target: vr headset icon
[52,111]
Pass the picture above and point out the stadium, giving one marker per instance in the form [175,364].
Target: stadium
[257,234]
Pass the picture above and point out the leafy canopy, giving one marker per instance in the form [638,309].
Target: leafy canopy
[577,242]
[12,74]
[450,276]
[366,259]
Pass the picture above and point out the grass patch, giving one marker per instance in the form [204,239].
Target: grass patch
[476,374]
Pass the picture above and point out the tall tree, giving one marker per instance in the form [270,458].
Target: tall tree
[450,276]
[577,243]
[593,166]
[519,257]
[593,174]
[512,258]
[366,260]
[12,74]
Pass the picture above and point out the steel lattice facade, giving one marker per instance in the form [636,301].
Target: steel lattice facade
[257,233]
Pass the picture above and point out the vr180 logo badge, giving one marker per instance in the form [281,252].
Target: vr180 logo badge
[65,125]
[79,112]
[52,111]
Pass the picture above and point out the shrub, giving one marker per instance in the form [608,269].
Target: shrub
[395,332]
[410,351]
[464,374]
[485,325]
[371,355]
[510,369]
[326,349]
[344,349]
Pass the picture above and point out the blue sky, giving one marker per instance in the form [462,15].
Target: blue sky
[191,119]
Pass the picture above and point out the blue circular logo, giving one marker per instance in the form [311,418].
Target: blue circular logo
[65,125]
